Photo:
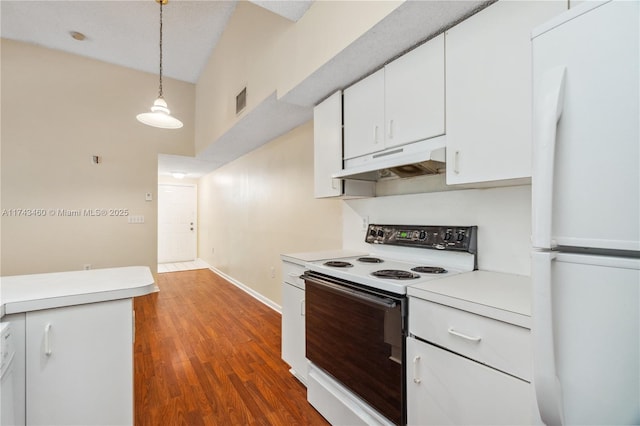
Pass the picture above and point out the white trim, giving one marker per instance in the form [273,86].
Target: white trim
[270,303]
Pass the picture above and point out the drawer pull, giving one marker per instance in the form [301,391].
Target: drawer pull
[416,379]
[464,336]
[47,340]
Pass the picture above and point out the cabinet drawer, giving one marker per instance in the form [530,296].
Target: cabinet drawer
[503,346]
[291,274]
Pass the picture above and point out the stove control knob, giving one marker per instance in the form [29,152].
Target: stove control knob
[460,236]
[447,236]
[422,235]
[380,233]
[372,232]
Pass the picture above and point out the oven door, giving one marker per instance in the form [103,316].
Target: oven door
[357,336]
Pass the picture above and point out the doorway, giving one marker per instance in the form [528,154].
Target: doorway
[177,227]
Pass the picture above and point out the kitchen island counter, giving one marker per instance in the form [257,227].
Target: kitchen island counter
[25,293]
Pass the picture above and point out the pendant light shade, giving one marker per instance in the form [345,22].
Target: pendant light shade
[160,115]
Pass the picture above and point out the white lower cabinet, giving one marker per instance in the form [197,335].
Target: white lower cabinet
[444,388]
[293,334]
[79,364]
[464,368]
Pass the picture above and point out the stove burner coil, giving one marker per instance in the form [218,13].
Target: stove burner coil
[395,274]
[429,269]
[338,264]
[370,260]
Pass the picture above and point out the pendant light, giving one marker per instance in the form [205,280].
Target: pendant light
[160,116]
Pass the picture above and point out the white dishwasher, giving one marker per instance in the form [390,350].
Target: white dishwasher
[7,391]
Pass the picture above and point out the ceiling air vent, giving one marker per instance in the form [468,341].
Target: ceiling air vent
[241,100]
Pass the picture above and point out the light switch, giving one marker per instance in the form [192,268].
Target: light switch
[148,196]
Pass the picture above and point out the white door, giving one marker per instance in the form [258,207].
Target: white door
[176,223]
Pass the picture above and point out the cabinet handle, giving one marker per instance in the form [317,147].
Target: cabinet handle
[302,312]
[464,336]
[47,340]
[416,379]
[456,163]
[390,129]
[375,134]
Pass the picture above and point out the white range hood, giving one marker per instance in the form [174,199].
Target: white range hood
[417,158]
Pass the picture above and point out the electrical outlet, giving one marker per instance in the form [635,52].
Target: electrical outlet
[365,223]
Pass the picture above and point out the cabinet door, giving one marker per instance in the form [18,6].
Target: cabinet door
[293,335]
[364,116]
[414,94]
[488,89]
[327,146]
[446,389]
[79,364]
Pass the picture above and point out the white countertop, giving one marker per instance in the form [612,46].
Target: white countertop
[312,256]
[501,296]
[24,293]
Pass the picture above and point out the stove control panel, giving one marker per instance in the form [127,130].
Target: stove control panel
[458,238]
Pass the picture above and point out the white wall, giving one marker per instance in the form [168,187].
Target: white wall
[503,217]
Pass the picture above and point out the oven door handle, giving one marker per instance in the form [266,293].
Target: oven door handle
[376,300]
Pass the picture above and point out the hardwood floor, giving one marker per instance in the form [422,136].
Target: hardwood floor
[207,353]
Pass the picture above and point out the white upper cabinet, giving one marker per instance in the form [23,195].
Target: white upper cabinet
[397,105]
[488,90]
[327,145]
[364,116]
[414,95]
[327,156]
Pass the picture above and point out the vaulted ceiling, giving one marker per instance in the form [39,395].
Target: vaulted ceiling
[127,32]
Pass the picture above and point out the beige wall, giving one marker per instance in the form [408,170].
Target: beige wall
[244,57]
[267,53]
[261,205]
[325,30]
[58,110]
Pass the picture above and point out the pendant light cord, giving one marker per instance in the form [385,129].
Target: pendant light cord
[160,90]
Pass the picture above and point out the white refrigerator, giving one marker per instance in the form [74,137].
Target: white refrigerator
[586,215]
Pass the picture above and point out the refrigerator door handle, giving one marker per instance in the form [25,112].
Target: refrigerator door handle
[545,379]
[547,108]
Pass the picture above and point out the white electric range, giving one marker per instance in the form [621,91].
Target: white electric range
[356,318]
[404,255]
